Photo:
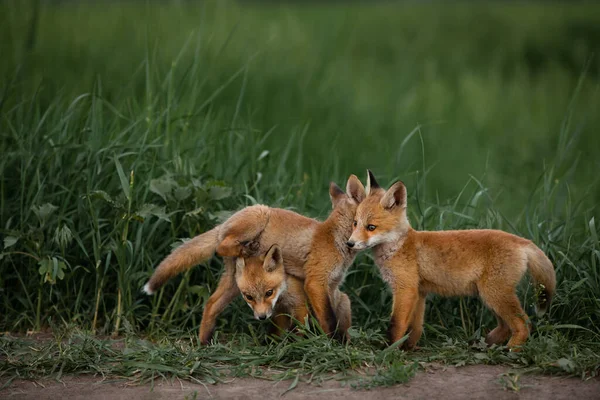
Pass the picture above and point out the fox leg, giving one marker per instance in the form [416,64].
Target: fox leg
[241,233]
[499,334]
[507,307]
[282,323]
[226,291]
[229,247]
[318,295]
[300,312]
[343,312]
[416,324]
[403,308]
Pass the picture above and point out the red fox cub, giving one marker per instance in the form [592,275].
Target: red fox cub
[487,263]
[253,230]
[268,290]
[330,259]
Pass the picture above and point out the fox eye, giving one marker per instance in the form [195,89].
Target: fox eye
[248,297]
[269,292]
[371,228]
[355,223]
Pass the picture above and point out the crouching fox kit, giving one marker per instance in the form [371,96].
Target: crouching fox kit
[269,291]
[487,263]
[307,247]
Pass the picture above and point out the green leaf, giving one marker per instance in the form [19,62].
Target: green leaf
[182,193]
[162,187]
[44,211]
[102,195]
[123,179]
[219,192]
[566,364]
[148,210]
[221,216]
[43,266]
[60,274]
[198,290]
[196,212]
[45,269]
[10,241]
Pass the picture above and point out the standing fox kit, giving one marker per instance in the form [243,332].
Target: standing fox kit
[330,259]
[487,263]
[307,247]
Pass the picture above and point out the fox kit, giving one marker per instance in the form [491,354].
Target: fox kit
[329,260]
[268,290]
[253,230]
[488,263]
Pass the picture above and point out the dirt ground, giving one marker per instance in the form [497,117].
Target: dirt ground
[471,382]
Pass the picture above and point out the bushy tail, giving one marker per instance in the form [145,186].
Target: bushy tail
[191,253]
[542,272]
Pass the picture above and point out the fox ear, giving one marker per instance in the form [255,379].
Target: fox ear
[355,189]
[273,259]
[335,194]
[395,196]
[240,264]
[372,184]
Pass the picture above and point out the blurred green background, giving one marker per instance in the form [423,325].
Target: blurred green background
[488,111]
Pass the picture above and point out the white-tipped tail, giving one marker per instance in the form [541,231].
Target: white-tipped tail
[191,253]
[147,289]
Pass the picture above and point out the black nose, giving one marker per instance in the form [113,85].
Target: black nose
[350,244]
[262,317]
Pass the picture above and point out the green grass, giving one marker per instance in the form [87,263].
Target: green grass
[126,127]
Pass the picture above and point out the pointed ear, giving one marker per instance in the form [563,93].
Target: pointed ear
[395,196]
[273,259]
[372,184]
[240,264]
[355,189]
[335,194]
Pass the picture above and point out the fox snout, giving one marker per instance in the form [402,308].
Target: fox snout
[355,244]
[262,316]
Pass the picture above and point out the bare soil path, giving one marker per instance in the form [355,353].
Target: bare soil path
[470,382]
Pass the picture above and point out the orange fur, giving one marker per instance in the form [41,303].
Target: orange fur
[269,291]
[264,285]
[487,263]
[330,258]
[308,248]
[250,231]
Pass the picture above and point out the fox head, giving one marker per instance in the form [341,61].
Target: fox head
[345,203]
[261,280]
[380,217]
